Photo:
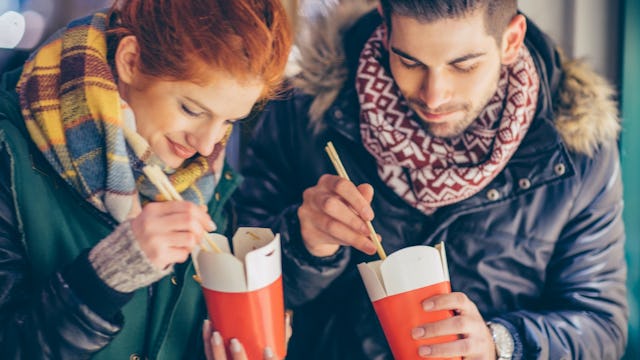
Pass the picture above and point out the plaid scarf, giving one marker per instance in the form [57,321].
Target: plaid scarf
[430,172]
[73,112]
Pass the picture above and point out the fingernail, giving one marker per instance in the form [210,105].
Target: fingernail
[268,353]
[212,226]
[217,338]
[287,318]
[428,305]
[417,333]
[235,346]
[424,350]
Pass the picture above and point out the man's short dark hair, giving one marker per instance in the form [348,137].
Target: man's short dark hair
[497,13]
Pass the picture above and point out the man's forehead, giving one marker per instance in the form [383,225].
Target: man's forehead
[447,36]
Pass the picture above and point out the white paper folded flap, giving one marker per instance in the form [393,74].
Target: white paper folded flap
[220,240]
[221,272]
[411,268]
[263,265]
[370,273]
[247,239]
[255,264]
[408,269]
[443,255]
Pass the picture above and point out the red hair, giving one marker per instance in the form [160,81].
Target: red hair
[179,39]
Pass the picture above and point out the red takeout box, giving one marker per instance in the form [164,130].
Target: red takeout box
[243,290]
[398,285]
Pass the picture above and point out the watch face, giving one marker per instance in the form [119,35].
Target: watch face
[503,340]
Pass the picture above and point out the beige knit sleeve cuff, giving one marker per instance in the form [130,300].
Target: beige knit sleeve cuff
[120,262]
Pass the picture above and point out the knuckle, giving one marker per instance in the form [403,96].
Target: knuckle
[465,346]
[325,178]
[459,297]
[459,322]
[332,226]
[330,203]
[342,185]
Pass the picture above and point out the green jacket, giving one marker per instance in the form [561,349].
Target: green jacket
[50,227]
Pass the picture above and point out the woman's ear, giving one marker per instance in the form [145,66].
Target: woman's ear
[126,59]
[513,39]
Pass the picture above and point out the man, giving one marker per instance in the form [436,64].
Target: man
[472,131]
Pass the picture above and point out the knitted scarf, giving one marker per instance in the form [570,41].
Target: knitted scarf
[74,114]
[430,172]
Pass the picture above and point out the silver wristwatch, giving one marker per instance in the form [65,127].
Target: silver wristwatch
[503,340]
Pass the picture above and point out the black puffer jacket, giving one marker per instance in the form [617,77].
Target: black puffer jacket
[540,250]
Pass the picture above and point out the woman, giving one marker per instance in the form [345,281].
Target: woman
[93,264]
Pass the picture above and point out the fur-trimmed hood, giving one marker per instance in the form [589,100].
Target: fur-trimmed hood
[586,114]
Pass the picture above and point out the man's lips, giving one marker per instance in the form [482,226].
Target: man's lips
[435,117]
[181,151]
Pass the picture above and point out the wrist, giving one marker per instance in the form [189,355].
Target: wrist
[502,339]
[324,250]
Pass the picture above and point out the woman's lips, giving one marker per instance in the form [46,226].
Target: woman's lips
[181,151]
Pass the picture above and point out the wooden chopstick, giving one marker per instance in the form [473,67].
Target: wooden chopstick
[337,164]
[160,180]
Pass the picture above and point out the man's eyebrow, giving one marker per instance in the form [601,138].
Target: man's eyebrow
[405,55]
[452,62]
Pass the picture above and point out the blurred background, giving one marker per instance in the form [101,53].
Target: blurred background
[605,33]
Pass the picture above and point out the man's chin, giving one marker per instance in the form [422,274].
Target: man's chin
[444,131]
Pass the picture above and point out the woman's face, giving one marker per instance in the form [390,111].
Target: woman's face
[181,118]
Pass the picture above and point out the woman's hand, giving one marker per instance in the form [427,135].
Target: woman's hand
[214,345]
[167,231]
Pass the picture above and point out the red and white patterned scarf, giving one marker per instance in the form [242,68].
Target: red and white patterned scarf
[429,172]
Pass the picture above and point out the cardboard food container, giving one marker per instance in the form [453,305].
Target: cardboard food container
[243,290]
[398,285]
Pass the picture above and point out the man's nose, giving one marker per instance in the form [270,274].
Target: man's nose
[435,90]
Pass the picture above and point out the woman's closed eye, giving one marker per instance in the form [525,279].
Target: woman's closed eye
[191,111]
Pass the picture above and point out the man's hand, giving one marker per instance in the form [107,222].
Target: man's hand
[333,213]
[167,231]
[475,340]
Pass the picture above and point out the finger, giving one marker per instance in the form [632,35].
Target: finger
[206,339]
[192,220]
[287,322]
[335,232]
[464,348]
[237,350]
[177,240]
[180,213]
[335,207]
[348,192]
[451,326]
[455,301]
[367,192]
[268,354]
[219,353]
[164,257]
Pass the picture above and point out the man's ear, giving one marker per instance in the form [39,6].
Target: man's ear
[126,59]
[513,39]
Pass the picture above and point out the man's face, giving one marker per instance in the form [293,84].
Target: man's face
[447,70]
